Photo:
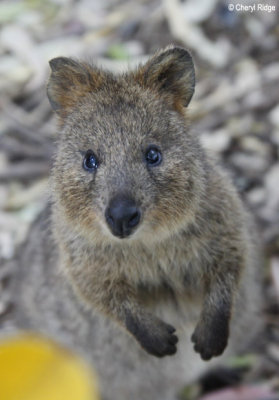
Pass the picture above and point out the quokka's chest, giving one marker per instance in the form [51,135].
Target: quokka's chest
[178,268]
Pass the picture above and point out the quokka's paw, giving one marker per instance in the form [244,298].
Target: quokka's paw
[155,336]
[210,341]
[160,341]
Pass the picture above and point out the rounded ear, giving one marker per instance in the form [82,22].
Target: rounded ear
[69,81]
[171,74]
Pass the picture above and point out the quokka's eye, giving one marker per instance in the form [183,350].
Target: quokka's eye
[153,156]
[90,162]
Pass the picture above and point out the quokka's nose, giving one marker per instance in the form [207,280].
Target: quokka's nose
[122,216]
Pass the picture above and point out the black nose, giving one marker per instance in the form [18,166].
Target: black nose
[122,216]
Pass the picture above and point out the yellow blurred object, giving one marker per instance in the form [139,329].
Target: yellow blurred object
[33,368]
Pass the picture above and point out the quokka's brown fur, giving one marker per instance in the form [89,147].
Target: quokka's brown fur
[188,264]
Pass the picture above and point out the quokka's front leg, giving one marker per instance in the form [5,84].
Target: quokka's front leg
[211,334]
[154,335]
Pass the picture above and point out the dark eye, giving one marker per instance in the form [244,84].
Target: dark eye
[153,156]
[90,162]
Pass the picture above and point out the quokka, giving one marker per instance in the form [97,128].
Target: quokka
[143,260]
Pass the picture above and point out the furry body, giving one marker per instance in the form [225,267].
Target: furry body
[189,264]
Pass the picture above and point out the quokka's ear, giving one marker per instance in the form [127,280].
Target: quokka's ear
[171,74]
[70,81]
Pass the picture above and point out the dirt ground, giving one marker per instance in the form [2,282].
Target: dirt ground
[235,110]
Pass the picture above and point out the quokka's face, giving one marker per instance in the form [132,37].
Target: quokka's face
[126,166]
